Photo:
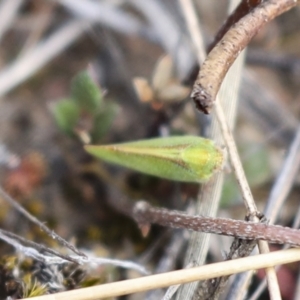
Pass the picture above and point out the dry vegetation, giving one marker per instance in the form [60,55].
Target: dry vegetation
[141,55]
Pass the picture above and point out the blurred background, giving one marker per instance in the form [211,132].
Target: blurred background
[141,57]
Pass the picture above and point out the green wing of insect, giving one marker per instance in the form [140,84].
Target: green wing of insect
[180,158]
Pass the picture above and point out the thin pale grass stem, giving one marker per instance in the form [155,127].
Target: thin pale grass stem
[28,64]
[246,193]
[17,241]
[285,180]
[178,277]
[209,194]
[39,28]
[109,15]
[8,12]
[37,222]
[221,57]
[240,286]
[194,28]
[280,191]
[38,252]
[169,32]
[235,162]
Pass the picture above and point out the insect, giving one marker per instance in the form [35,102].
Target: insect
[180,158]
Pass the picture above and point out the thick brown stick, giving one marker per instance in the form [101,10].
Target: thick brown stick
[241,10]
[145,215]
[222,56]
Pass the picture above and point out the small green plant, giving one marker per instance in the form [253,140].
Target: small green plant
[84,114]
[32,288]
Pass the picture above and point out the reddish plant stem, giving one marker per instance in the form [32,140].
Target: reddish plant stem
[145,215]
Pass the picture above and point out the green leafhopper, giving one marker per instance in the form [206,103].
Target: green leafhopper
[180,158]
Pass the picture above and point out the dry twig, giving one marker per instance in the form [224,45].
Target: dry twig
[146,215]
[178,277]
[35,221]
[226,51]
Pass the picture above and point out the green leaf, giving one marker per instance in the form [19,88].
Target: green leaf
[181,158]
[66,115]
[86,92]
[102,121]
